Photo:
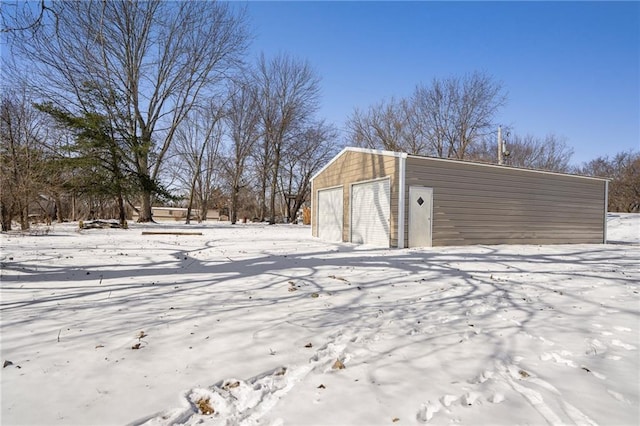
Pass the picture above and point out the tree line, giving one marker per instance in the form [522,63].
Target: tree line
[126,104]
[144,102]
[454,117]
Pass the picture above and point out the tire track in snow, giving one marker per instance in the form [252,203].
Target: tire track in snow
[511,373]
[515,377]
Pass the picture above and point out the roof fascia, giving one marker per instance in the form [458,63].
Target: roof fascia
[449,160]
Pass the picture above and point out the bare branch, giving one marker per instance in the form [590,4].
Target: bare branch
[150,62]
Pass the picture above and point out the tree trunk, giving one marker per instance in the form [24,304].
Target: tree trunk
[234,204]
[24,217]
[263,198]
[297,205]
[59,216]
[272,204]
[122,214]
[274,187]
[145,214]
[74,213]
[5,217]
[204,209]
[187,221]
[192,191]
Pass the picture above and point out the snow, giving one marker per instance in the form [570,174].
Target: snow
[253,321]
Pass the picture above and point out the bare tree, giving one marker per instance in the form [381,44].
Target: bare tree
[549,153]
[380,127]
[243,124]
[197,147]
[24,15]
[151,61]
[623,170]
[459,112]
[444,119]
[21,157]
[314,147]
[393,125]
[288,93]
[262,160]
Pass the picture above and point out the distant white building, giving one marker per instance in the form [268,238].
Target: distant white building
[176,214]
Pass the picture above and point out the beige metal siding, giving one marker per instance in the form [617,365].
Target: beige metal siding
[351,167]
[480,204]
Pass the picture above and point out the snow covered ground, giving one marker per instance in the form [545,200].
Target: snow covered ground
[255,324]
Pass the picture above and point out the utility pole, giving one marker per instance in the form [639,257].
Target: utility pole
[503,153]
[500,161]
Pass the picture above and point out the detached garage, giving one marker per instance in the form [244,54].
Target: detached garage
[390,199]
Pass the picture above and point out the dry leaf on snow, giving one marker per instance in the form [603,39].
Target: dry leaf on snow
[204,406]
[338,365]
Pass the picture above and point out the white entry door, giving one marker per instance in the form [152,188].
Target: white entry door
[371,213]
[330,214]
[420,212]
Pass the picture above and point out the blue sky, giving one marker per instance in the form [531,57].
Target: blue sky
[570,68]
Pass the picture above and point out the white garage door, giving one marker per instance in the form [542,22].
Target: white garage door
[370,213]
[330,214]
